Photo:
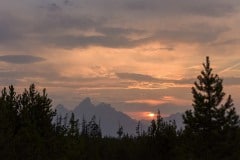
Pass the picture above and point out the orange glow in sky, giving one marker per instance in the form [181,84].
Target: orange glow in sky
[151,115]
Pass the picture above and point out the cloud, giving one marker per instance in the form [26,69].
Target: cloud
[226,81]
[229,68]
[167,48]
[68,2]
[53,7]
[231,81]
[61,25]
[235,41]
[166,108]
[61,21]
[62,30]
[214,8]
[116,31]
[148,82]
[163,100]
[151,102]
[196,33]
[170,48]
[136,77]
[20,59]
[9,31]
[152,80]
[86,41]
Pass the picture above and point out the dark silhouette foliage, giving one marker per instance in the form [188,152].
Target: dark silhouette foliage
[26,124]
[93,129]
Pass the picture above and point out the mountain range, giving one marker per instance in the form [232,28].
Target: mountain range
[109,118]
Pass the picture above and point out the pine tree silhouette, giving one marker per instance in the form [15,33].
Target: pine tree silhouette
[211,127]
[208,113]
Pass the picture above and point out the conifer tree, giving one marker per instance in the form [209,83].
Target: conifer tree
[8,121]
[35,110]
[73,129]
[93,129]
[208,114]
[120,131]
[139,129]
[25,123]
[84,130]
[152,128]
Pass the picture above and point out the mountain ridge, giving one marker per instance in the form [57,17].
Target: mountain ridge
[110,119]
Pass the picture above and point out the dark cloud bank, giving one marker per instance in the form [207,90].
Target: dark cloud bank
[20,59]
[52,23]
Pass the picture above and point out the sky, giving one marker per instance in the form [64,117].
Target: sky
[138,55]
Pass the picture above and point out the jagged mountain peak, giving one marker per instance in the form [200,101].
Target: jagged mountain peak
[85,103]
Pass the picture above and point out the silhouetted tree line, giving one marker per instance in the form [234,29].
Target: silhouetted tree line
[212,131]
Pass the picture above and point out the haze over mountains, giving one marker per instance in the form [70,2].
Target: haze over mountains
[109,118]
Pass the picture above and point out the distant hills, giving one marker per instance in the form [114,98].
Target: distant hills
[108,117]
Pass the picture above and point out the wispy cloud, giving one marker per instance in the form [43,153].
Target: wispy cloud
[151,102]
[163,100]
[229,68]
[20,59]
[137,77]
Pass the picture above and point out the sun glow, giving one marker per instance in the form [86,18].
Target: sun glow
[151,115]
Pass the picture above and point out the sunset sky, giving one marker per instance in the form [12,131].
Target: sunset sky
[138,55]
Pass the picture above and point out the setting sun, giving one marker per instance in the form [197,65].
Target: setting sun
[151,115]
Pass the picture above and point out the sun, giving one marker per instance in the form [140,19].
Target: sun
[151,115]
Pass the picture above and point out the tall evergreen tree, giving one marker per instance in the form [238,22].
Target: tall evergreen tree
[8,121]
[208,113]
[73,129]
[35,110]
[211,127]
[84,131]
